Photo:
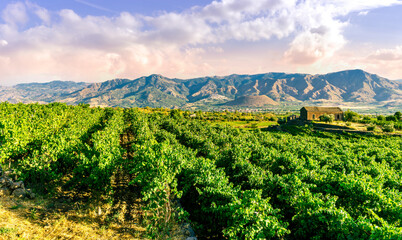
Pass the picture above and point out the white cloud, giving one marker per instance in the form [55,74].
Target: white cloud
[99,47]
[386,61]
[320,35]
[3,43]
[345,6]
[15,13]
[363,13]
[388,54]
[42,13]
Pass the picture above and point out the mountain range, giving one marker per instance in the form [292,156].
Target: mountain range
[355,86]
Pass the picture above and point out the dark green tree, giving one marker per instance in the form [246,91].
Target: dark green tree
[391,118]
[380,118]
[398,115]
[328,118]
[351,116]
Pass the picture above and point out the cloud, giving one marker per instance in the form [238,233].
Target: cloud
[3,43]
[363,13]
[320,33]
[321,38]
[309,47]
[387,61]
[177,44]
[15,13]
[390,54]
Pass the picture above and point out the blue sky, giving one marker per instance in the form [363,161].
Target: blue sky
[113,8]
[92,41]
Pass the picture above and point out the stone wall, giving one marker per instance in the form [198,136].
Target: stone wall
[9,185]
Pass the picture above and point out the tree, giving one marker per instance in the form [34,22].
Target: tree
[388,128]
[391,118]
[351,116]
[380,118]
[327,118]
[367,118]
[371,127]
[398,115]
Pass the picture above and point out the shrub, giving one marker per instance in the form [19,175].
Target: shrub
[371,127]
[398,115]
[366,118]
[176,114]
[282,120]
[327,118]
[391,118]
[380,118]
[388,128]
[253,125]
[351,116]
[273,119]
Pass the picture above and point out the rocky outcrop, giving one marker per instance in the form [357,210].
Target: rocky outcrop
[10,186]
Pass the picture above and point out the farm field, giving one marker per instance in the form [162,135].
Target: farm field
[160,168]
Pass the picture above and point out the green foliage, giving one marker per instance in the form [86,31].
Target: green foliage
[380,118]
[252,217]
[328,118]
[176,113]
[273,119]
[282,120]
[366,118]
[351,116]
[5,230]
[388,128]
[231,183]
[156,166]
[2,137]
[254,125]
[392,118]
[398,115]
[371,127]
[101,155]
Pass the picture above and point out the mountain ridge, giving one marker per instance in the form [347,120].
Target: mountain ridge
[158,91]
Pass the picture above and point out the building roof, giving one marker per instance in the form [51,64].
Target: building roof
[324,109]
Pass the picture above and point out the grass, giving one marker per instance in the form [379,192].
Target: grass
[34,219]
[4,230]
[69,214]
[16,206]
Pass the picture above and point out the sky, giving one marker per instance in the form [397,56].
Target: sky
[98,40]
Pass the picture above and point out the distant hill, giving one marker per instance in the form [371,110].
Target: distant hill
[235,90]
[39,92]
[252,101]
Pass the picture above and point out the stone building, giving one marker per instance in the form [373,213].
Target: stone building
[314,113]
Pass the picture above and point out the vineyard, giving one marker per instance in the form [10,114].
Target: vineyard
[229,183]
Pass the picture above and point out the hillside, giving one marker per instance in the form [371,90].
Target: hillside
[355,86]
[39,92]
[252,101]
